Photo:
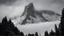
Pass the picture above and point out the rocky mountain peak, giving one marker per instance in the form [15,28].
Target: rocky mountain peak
[29,9]
[30,6]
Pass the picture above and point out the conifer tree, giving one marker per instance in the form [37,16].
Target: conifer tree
[61,25]
[21,34]
[36,34]
[56,30]
[52,33]
[46,33]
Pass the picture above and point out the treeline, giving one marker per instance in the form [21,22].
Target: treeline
[59,31]
[7,28]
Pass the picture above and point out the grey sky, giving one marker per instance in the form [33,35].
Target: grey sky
[13,8]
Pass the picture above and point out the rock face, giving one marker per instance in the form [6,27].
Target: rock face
[31,15]
[29,9]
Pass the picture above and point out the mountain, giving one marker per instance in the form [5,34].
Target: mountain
[31,15]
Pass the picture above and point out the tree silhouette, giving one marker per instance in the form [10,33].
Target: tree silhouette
[52,33]
[30,34]
[61,25]
[56,30]
[7,28]
[22,34]
[36,34]
[46,33]
[4,20]
[14,29]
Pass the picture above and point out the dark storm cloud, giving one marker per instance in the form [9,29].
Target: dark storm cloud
[7,2]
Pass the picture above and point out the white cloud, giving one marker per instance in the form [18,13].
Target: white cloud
[38,27]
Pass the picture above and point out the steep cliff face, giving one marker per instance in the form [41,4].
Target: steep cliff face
[31,15]
[29,9]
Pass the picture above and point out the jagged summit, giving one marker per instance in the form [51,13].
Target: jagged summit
[31,5]
[29,9]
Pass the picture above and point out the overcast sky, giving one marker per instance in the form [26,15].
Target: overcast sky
[11,8]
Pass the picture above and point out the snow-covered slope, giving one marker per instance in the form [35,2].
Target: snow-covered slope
[31,15]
